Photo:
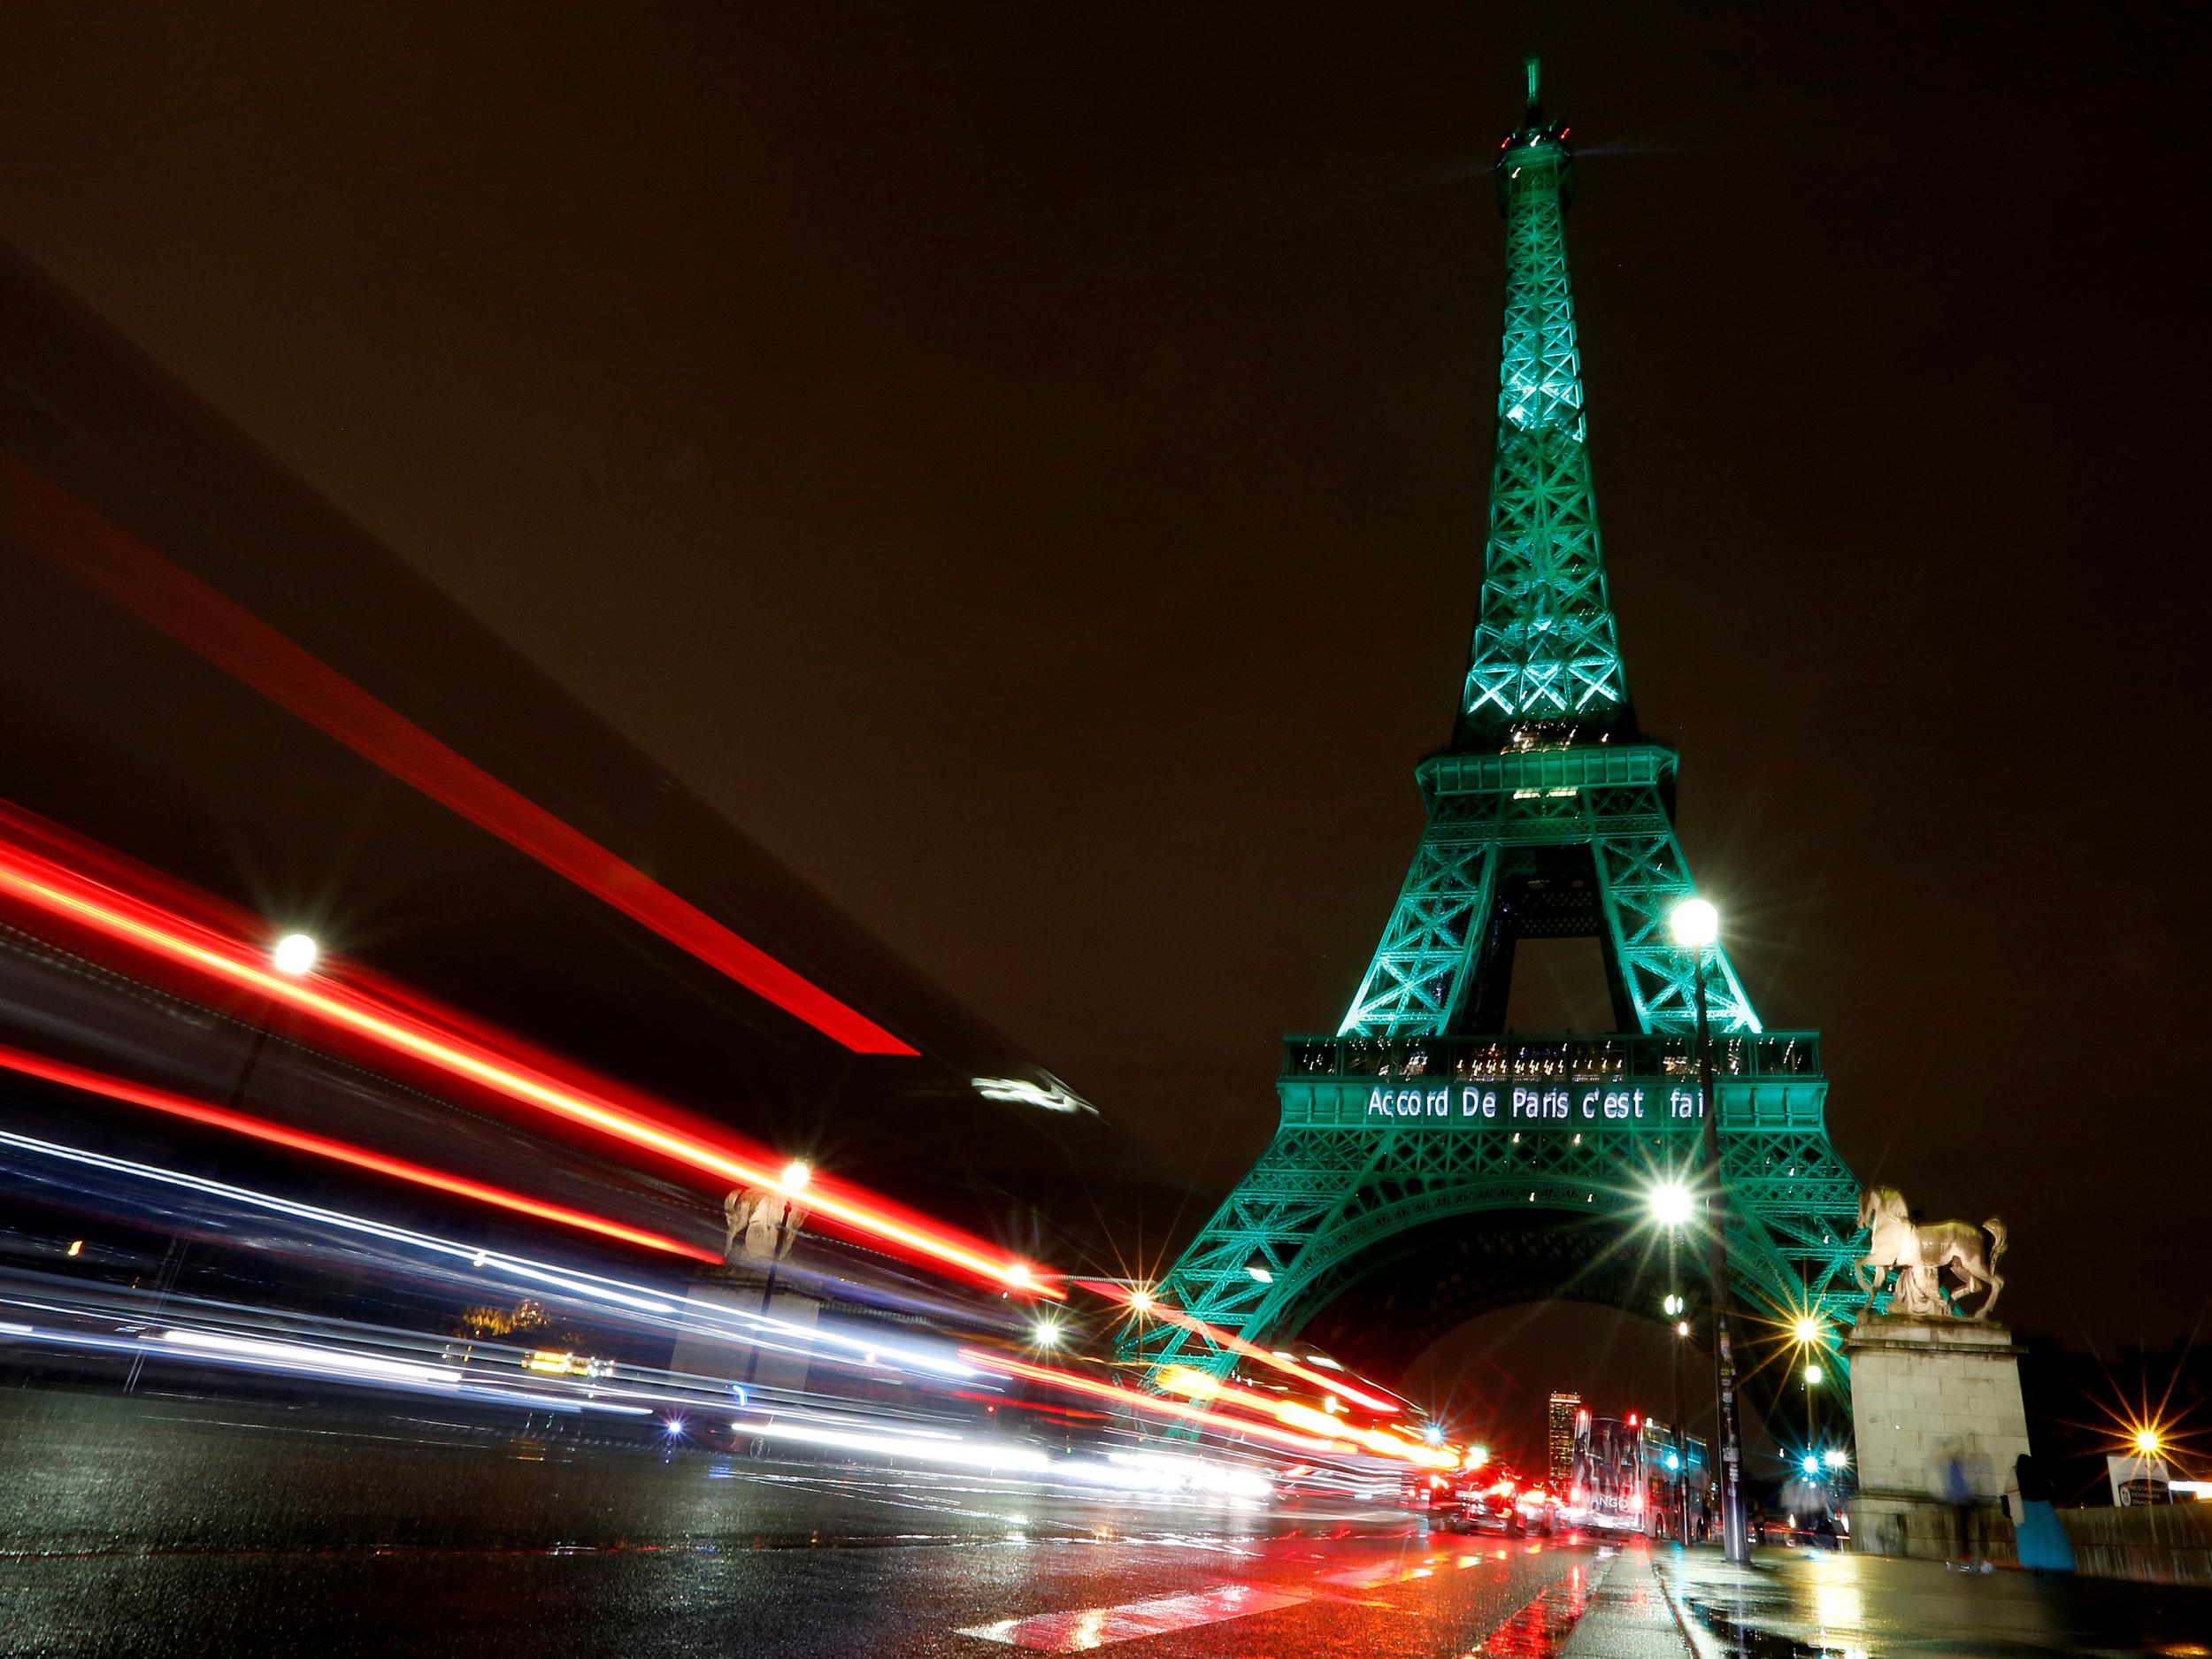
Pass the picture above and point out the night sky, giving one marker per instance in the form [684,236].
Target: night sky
[1025,464]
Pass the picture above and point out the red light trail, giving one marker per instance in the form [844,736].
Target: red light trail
[1152,1308]
[1076,1383]
[54,890]
[116,1089]
[73,535]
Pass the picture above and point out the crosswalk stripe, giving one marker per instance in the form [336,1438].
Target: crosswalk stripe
[1093,1627]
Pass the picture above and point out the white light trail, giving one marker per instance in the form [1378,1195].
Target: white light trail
[636,1298]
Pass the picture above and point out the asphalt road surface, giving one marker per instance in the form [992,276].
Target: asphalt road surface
[159,1525]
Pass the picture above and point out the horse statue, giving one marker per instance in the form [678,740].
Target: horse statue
[1920,1254]
[759,1223]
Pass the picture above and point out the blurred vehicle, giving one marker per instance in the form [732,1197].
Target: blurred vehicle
[1435,1496]
[1543,1512]
[1493,1504]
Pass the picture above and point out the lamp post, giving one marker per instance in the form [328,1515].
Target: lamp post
[1695,926]
[1671,1207]
[1675,1308]
[1813,1374]
[292,956]
[793,1181]
[1807,1334]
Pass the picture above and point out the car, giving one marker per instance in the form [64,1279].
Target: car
[1436,1495]
[1542,1511]
[1490,1504]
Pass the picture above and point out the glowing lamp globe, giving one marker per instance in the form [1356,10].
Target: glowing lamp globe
[2146,1442]
[294,954]
[1808,1330]
[1810,1465]
[1813,1374]
[1695,924]
[1669,1204]
[796,1175]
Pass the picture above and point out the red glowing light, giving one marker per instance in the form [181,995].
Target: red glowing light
[58,891]
[1155,1309]
[68,532]
[116,1089]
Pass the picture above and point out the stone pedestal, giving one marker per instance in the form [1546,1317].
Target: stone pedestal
[703,1349]
[1924,1392]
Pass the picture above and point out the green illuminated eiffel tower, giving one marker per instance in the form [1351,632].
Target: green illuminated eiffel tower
[1549,815]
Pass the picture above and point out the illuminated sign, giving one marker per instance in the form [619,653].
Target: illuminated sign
[1660,1103]
[1633,1100]
[1508,1103]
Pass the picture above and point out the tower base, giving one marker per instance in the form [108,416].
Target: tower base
[1935,1408]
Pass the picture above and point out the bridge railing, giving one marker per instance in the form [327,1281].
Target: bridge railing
[1769,1054]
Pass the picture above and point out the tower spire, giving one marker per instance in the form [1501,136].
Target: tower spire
[1545,664]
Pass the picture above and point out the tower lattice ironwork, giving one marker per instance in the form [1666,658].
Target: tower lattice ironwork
[1548,815]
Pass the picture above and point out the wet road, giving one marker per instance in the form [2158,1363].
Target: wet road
[174,1526]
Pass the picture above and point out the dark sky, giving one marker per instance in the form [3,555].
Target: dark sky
[1025,464]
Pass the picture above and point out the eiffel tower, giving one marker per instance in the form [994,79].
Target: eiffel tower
[1424,1144]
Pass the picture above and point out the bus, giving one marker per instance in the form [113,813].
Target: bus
[1609,1483]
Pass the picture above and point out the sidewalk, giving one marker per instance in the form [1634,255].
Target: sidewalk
[1629,1616]
[1793,1601]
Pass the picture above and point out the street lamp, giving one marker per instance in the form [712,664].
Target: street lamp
[293,955]
[1670,1204]
[1670,1207]
[1695,926]
[1807,1334]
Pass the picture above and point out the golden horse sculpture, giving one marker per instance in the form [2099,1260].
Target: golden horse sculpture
[1920,1254]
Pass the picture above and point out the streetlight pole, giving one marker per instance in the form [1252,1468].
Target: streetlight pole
[292,955]
[1696,924]
[1678,1308]
[1807,1334]
[1812,1376]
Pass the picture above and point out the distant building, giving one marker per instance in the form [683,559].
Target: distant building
[1559,1437]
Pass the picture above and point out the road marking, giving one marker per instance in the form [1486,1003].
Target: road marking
[1394,1572]
[1092,1627]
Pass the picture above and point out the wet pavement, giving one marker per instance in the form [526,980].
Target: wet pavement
[1805,1602]
[161,1527]
[165,1525]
